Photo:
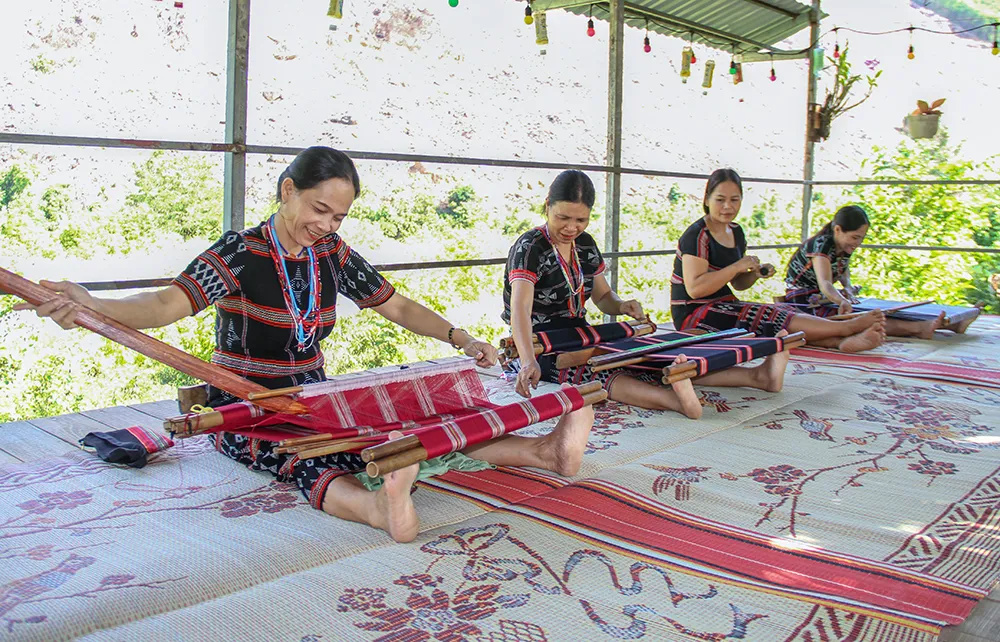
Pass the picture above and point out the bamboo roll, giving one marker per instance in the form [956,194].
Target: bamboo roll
[388,448]
[681,376]
[193,424]
[397,461]
[677,368]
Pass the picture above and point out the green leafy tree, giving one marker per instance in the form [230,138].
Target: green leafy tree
[174,193]
[12,185]
[935,215]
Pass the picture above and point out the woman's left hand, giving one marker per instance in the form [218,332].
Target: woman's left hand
[633,309]
[765,271]
[484,353]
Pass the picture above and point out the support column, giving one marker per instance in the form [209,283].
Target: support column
[616,64]
[237,53]
[807,164]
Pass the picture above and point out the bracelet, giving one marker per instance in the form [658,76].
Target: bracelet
[451,340]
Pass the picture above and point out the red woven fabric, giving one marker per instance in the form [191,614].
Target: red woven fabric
[447,407]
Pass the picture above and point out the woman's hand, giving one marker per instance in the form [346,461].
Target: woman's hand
[633,309]
[748,263]
[484,353]
[845,307]
[61,309]
[528,377]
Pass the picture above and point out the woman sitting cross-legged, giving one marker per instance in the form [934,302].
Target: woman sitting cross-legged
[712,256]
[275,288]
[824,259]
[552,270]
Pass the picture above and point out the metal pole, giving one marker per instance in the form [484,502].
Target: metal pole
[237,52]
[616,64]
[807,164]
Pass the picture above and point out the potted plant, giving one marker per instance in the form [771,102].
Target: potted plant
[923,122]
[838,98]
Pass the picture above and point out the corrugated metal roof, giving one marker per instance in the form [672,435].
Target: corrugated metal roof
[750,25]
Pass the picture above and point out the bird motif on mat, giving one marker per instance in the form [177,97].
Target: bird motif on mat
[26,588]
[818,429]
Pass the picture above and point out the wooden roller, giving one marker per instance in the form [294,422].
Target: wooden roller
[120,333]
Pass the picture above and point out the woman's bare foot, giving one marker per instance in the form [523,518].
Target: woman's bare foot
[962,326]
[928,327]
[562,449]
[865,321]
[687,398]
[394,509]
[770,375]
[866,340]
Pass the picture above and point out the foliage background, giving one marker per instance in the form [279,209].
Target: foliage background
[409,78]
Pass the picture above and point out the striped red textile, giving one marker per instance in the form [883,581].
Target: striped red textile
[444,404]
[368,403]
[614,517]
[569,339]
[461,432]
[710,357]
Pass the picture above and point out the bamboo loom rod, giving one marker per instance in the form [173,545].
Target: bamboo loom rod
[107,327]
[887,311]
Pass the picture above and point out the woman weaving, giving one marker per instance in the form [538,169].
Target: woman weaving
[551,272]
[712,255]
[275,290]
[824,260]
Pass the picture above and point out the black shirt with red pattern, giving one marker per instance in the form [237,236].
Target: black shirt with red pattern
[533,258]
[800,278]
[254,331]
[698,241]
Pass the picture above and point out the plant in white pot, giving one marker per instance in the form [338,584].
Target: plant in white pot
[923,122]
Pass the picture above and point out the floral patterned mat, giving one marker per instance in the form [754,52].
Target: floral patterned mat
[853,505]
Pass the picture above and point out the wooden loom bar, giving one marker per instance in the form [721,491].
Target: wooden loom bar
[107,327]
[417,454]
[887,311]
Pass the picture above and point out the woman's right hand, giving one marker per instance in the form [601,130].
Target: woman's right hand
[845,307]
[61,309]
[527,378]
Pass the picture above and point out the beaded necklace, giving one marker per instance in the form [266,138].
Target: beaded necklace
[306,323]
[572,272]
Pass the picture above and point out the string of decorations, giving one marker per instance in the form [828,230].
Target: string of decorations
[743,48]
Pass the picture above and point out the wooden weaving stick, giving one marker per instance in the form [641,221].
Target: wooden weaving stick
[887,311]
[107,327]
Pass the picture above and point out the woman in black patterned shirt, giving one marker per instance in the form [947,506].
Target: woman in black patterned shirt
[824,260]
[551,272]
[712,255]
[275,289]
